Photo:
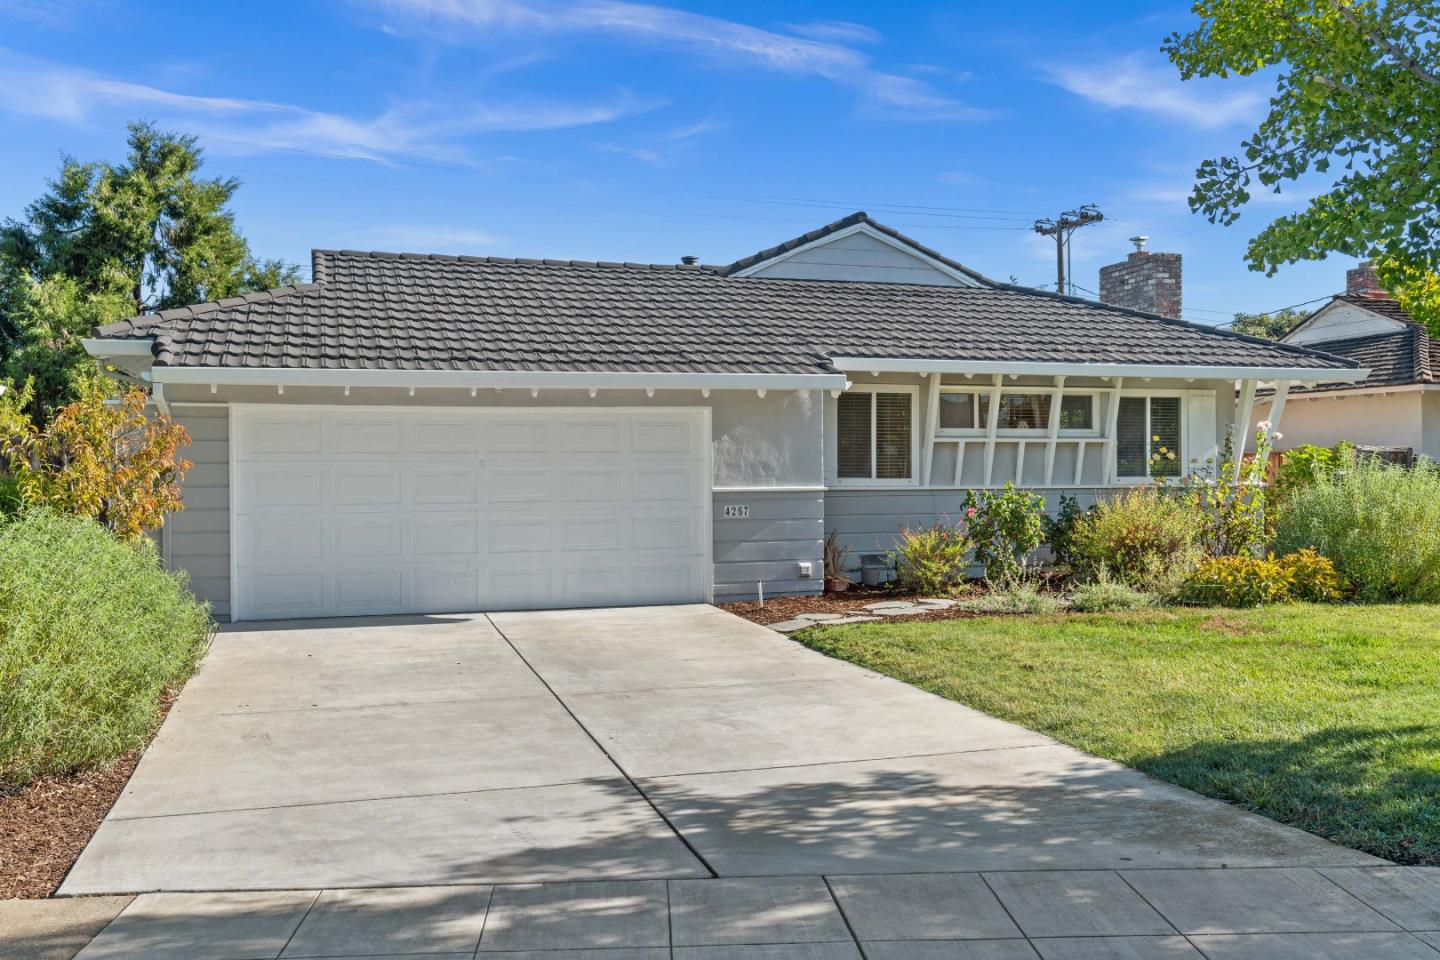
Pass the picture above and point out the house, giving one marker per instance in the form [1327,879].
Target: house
[436,433]
[1396,407]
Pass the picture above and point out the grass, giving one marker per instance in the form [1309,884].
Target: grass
[92,632]
[1323,717]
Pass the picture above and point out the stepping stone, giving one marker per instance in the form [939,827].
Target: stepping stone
[856,619]
[936,602]
[889,605]
[790,626]
[819,616]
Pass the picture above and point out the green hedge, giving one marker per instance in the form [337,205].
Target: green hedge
[92,631]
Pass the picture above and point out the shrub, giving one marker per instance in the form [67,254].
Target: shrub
[1018,597]
[1230,511]
[1236,582]
[1006,527]
[107,461]
[1107,596]
[1308,464]
[1060,531]
[1378,523]
[1312,577]
[931,560]
[1144,538]
[92,630]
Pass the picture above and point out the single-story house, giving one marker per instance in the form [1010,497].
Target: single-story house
[1397,406]
[411,433]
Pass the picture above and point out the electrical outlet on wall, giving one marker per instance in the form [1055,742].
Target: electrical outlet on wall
[806,569]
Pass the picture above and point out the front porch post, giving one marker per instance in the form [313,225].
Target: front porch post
[1240,430]
[1277,405]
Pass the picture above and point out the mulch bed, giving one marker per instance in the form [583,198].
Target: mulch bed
[46,823]
[778,609]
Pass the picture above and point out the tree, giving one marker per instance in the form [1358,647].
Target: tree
[98,459]
[1271,326]
[106,242]
[1358,85]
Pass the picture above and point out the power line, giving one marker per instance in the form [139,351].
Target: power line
[1062,228]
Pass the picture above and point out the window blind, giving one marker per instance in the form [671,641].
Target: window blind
[892,436]
[1131,443]
[852,416]
[1165,432]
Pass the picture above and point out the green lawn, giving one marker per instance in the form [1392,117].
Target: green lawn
[1327,718]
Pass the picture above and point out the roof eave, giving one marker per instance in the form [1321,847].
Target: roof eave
[475,379]
[1084,369]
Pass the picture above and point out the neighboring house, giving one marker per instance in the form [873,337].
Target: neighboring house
[1396,407]
[433,433]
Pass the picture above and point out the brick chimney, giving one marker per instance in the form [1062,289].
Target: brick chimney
[1144,281]
[1361,281]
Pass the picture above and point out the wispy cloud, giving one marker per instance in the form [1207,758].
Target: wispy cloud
[1133,83]
[837,31]
[660,148]
[430,130]
[903,97]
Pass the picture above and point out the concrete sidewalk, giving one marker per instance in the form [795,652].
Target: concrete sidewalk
[1378,913]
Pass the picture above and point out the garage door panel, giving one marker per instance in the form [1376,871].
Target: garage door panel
[288,432]
[367,485]
[593,533]
[363,537]
[443,435]
[662,435]
[368,435]
[519,535]
[591,435]
[437,485]
[593,484]
[365,511]
[521,484]
[364,591]
[266,485]
[444,535]
[282,539]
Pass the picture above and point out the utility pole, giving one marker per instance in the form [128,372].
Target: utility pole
[1061,228]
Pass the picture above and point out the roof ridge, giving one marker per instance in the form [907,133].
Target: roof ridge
[516,261]
[1174,321]
[131,324]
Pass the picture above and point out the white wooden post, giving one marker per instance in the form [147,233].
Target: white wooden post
[1111,467]
[1240,430]
[1053,433]
[992,424]
[1277,405]
[932,427]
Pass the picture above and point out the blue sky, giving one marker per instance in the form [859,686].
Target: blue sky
[629,131]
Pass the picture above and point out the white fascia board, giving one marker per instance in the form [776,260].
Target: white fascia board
[1297,395]
[105,349]
[540,379]
[1197,372]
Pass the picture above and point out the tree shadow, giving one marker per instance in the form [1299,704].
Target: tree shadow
[1373,788]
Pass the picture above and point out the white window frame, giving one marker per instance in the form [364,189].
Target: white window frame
[873,481]
[1127,479]
[1013,432]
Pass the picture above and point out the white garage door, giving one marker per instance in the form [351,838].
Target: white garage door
[364,510]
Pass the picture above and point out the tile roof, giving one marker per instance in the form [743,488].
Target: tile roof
[1396,358]
[407,311]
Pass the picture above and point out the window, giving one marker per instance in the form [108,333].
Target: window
[1148,437]
[1077,412]
[875,436]
[957,411]
[1020,411]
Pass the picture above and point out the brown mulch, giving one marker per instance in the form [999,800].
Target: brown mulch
[778,609]
[46,823]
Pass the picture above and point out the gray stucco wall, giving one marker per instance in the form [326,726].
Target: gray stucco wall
[763,449]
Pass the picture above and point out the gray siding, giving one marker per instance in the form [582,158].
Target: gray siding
[858,256]
[784,529]
[868,521]
[197,539]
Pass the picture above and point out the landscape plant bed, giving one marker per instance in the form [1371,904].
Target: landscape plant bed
[45,824]
[849,603]
[1325,717]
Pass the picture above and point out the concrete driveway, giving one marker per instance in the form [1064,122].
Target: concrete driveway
[667,742]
